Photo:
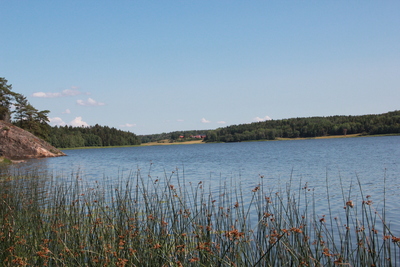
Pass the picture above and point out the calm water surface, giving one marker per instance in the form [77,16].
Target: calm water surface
[315,162]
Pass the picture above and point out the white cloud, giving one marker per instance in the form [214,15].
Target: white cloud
[78,122]
[67,111]
[128,125]
[203,120]
[56,121]
[46,95]
[266,118]
[221,122]
[180,120]
[70,92]
[89,102]
[67,92]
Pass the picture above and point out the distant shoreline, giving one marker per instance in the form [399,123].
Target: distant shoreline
[167,143]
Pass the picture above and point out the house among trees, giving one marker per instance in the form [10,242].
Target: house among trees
[199,136]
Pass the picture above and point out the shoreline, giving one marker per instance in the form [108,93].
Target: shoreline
[167,143]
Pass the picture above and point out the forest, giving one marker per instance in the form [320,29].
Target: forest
[177,136]
[69,137]
[15,108]
[307,127]
[387,123]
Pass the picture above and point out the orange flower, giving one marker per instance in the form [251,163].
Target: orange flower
[350,204]
[194,259]
[157,246]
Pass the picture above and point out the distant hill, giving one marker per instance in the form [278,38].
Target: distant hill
[387,123]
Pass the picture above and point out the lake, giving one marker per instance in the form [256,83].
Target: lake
[338,163]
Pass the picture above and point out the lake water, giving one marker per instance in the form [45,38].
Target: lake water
[318,163]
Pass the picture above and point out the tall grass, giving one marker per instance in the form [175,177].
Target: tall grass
[143,221]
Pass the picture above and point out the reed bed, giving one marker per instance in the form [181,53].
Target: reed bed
[142,221]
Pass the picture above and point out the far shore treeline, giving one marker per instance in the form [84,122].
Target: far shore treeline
[15,108]
[387,123]
[92,136]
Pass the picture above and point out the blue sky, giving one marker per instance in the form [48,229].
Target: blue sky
[161,66]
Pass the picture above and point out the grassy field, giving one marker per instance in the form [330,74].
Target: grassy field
[143,221]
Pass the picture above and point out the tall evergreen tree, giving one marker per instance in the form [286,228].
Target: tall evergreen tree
[6,98]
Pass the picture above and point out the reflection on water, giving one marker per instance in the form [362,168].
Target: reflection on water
[332,164]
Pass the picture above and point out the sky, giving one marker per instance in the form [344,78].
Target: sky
[160,66]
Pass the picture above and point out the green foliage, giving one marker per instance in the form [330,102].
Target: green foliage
[29,118]
[152,222]
[25,115]
[173,136]
[69,137]
[387,123]
[4,160]
[6,99]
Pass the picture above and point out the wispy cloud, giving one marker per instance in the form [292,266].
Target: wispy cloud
[203,120]
[128,125]
[56,121]
[221,122]
[180,120]
[67,111]
[78,122]
[90,102]
[67,92]
[266,118]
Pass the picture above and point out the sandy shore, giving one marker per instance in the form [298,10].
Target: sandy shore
[167,143]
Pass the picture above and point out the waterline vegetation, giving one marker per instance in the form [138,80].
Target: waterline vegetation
[151,221]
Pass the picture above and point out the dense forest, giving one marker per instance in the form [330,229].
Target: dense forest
[387,123]
[16,109]
[69,137]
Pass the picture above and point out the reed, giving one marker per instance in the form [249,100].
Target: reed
[143,221]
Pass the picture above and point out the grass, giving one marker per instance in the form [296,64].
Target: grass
[143,221]
[4,160]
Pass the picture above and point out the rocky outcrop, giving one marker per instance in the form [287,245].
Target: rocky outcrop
[16,143]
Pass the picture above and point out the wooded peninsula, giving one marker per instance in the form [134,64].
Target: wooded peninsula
[16,109]
[387,123]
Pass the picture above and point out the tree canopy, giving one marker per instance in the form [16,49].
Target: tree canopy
[387,123]
[16,108]
[6,99]
[69,137]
